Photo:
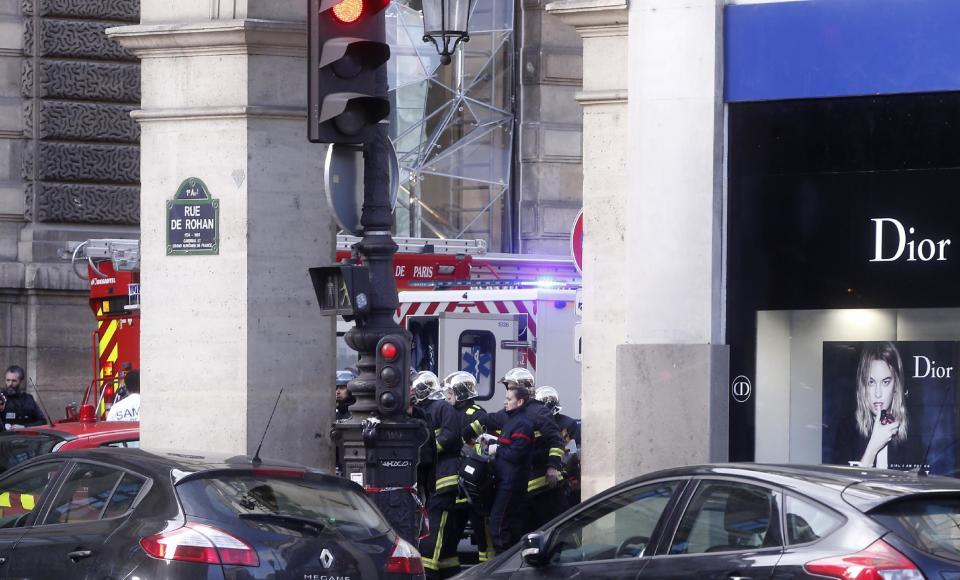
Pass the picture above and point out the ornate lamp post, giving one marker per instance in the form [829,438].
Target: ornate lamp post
[446,24]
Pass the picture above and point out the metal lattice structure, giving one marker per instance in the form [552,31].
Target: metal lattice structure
[453,125]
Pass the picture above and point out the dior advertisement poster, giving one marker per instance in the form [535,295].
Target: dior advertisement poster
[892,405]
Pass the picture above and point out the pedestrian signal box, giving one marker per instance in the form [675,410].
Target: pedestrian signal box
[347,90]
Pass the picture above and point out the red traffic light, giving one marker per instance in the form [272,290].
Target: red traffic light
[389,351]
[348,11]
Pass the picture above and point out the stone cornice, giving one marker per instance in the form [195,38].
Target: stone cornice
[591,16]
[202,113]
[217,37]
[609,97]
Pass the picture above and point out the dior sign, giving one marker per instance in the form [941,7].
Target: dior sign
[922,250]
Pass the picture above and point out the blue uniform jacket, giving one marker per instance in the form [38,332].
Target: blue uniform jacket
[511,464]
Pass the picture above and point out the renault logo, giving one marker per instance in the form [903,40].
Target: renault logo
[326,558]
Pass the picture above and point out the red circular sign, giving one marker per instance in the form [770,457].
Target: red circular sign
[576,242]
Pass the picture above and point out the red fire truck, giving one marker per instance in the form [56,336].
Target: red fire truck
[112,269]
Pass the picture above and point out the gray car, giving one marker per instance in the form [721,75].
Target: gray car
[129,513]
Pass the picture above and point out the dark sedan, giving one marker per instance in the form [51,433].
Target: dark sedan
[128,513]
[743,521]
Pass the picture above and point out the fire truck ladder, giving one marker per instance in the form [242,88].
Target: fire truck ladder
[425,245]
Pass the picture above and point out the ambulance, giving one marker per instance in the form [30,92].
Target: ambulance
[485,313]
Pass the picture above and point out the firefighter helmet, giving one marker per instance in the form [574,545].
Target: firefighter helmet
[550,398]
[519,376]
[462,384]
[425,386]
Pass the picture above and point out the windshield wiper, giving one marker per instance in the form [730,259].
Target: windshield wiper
[284,518]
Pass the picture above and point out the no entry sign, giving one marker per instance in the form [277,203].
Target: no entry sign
[576,242]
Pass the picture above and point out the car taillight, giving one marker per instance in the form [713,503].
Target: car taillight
[879,561]
[200,543]
[404,559]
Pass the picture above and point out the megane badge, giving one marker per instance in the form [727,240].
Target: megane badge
[326,558]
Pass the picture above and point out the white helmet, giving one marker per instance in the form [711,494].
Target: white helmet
[463,385]
[550,398]
[519,376]
[425,386]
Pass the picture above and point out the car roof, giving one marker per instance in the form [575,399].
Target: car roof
[862,488]
[181,465]
[76,429]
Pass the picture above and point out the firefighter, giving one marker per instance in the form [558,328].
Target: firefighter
[512,457]
[570,431]
[439,550]
[460,389]
[547,458]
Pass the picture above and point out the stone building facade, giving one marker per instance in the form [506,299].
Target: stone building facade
[70,165]
[70,170]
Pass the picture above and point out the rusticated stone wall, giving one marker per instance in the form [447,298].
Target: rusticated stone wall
[82,159]
[69,170]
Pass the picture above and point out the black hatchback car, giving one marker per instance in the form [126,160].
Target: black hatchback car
[743,521]
[128,513]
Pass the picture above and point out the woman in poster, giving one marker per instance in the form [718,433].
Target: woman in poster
[881,409]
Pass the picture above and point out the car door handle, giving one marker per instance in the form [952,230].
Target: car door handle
[735,577]
[79,554]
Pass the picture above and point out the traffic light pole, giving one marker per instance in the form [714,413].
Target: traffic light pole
[386,452]
[379,445]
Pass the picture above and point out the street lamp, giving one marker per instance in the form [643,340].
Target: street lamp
[445,24]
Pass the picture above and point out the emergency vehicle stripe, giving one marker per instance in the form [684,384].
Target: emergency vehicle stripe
[501,307]
[107,336]
[532,359]
[451,307]
[482,307]
[531,322]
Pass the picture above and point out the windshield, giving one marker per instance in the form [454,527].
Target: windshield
[340,509]
[931,524]
[17,448]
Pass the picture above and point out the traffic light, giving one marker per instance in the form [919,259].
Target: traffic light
[393,375]
[348,75]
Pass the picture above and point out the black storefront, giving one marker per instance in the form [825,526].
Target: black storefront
[843,229]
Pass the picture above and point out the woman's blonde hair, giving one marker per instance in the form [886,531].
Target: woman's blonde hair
[886,352]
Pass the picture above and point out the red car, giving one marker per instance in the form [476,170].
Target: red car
[23,444]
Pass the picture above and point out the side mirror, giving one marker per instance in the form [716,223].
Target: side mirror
[534,549]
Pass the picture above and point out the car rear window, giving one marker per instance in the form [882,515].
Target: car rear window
[931,524]
[338,508]
[15,449]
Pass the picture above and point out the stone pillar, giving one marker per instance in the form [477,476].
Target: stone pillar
[224,99]
[603,26]
[654,371]
[675,213]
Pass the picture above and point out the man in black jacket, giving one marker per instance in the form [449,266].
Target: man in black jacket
[439,550]
[21,410]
